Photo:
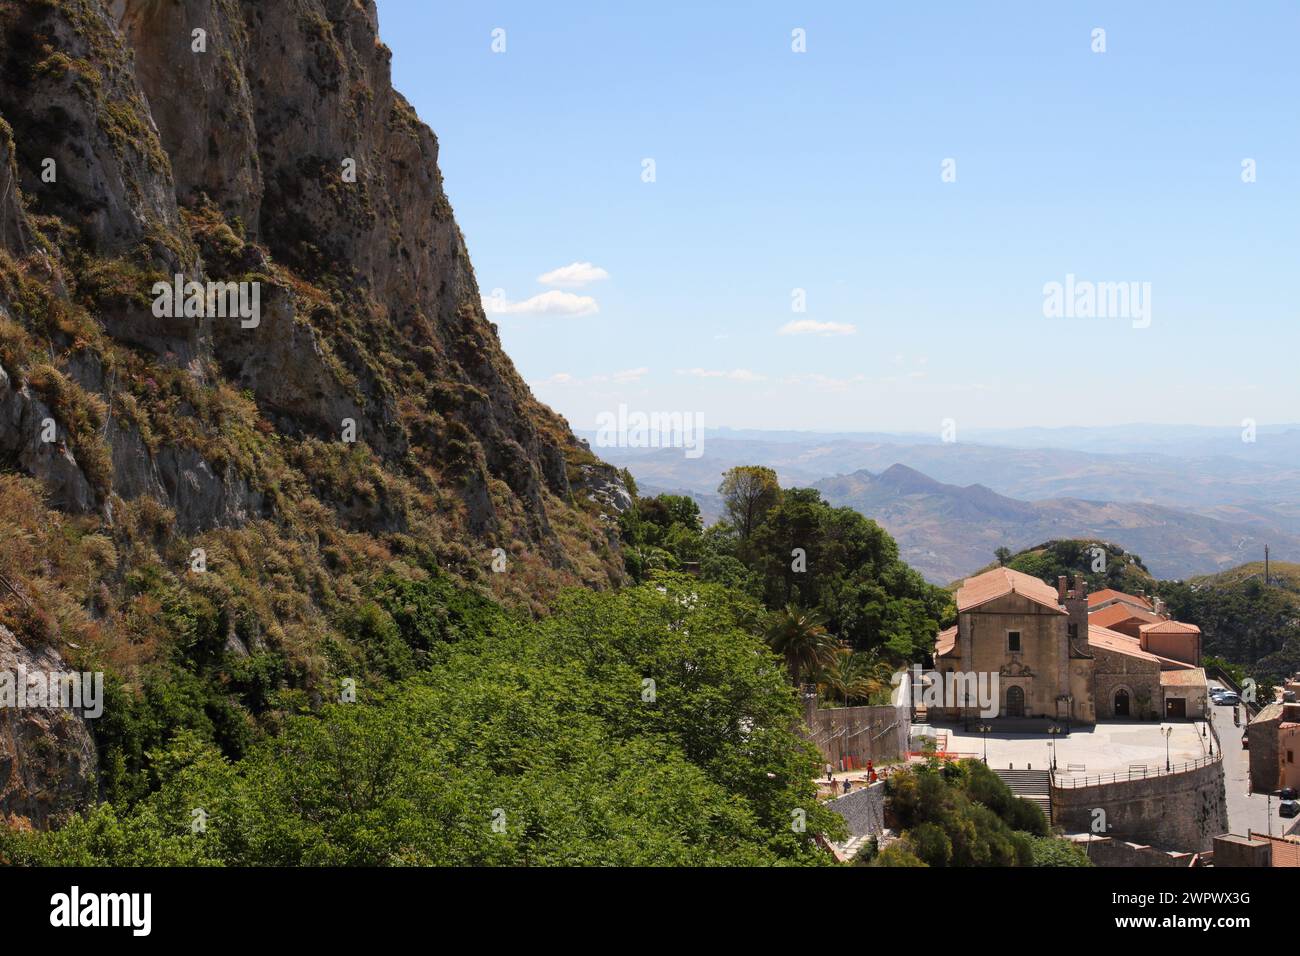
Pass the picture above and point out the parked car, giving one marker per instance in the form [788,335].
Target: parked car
[1228,698]
[1288,793]
[1289,808]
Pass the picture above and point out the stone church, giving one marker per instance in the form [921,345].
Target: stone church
[1054,659]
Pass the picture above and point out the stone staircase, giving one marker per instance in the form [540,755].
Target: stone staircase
[849,848]
[1032,785]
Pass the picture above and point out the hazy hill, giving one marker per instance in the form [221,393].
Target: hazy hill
[1284,574]
[948,531]
[1258,484]
[1122,570]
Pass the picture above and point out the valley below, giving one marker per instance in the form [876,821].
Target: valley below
[1194,507]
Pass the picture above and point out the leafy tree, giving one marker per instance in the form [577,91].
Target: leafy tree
[1050,851]
[898,853]
[1119,569]
[930,844]
[518,742]
[1243,622]
[798,551]
[963,815]
[748,492]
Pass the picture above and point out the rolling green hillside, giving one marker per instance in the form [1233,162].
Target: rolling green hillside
[1118,569]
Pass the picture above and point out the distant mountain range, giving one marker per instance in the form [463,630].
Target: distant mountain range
[946,531]
[1190,500]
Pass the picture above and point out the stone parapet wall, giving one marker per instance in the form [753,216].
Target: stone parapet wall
[1175,811]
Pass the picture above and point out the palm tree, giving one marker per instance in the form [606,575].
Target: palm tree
[801,638]
[854,676]
[842,675]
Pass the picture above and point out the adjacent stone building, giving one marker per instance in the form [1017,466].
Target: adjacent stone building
[1173,640]
[1274,739]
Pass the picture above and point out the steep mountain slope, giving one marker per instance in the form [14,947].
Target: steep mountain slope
[947,531]
[201,492]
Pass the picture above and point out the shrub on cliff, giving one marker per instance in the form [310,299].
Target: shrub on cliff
[643,727]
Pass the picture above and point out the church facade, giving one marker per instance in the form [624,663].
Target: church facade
[1051,661]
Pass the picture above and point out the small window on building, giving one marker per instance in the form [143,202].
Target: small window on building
[1289,757]
[1013,641]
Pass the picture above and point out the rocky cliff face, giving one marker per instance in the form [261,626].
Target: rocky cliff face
[366,415]
[47,755]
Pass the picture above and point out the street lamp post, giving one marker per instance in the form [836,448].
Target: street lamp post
[984,729]
[1168,732]
[1054,730]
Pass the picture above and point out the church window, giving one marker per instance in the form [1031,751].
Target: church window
[1013,641]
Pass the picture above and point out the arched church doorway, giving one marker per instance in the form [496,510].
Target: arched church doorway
[1015,702]
[1121,703]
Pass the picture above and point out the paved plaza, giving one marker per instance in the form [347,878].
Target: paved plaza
[1105,748]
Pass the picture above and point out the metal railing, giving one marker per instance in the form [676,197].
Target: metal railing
[1063,781]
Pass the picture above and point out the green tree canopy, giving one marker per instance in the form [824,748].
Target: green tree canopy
[748,493]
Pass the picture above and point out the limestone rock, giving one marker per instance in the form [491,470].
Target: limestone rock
[47,755]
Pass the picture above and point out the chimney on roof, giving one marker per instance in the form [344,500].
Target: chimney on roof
[1160,608]
[1061,588]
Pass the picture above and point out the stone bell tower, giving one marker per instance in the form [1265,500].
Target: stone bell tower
[1074,600]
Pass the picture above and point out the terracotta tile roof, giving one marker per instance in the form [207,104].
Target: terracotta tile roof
[1119,643]
[1110,594]
[1170,627]
[1115,613]
[1191,677]
[1000,582]
[946,642]
[1272,712]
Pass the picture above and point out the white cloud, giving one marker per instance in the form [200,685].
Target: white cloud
[813,327]
[826,383]
[735,375]
[551,303]
[623,377]
[574,275]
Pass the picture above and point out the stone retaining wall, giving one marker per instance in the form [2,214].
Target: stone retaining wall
[1175,811]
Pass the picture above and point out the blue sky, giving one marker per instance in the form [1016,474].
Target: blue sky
[821,171]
